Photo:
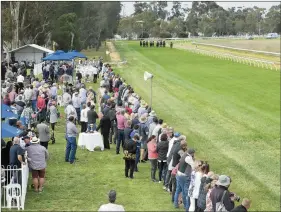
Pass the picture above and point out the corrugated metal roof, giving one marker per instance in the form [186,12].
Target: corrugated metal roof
[33,46]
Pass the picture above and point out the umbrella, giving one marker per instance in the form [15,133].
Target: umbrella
[8,131]
[7,112]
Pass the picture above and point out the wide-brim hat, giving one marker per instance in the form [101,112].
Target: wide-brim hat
[35,140]
[223,181]
[45,86]
[143,104]
[143,119]
[152,113]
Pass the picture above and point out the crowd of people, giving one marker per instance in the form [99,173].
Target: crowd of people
[125,120]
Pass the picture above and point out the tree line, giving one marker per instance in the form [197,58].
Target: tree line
[68,25]
[204,18]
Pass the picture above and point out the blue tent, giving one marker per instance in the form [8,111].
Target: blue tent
[8,131]
[6,112]
[58,55]
[78,54]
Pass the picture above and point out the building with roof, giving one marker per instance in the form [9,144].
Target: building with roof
[29,53]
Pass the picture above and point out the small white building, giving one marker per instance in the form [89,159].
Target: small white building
[29,53]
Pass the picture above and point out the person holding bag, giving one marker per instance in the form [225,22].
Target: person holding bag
[130,156]
[220,196]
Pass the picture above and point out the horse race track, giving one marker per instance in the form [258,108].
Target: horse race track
[229,111]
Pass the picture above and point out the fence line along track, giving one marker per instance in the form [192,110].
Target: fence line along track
[244,60]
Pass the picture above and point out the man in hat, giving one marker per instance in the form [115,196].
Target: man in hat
[142,110]
[111,206]
[150,118]
[221,193]
[37,157]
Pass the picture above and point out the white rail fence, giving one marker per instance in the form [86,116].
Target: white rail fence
[244,60]
[238,49]
[14,186]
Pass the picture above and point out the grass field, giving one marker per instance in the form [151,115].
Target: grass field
[84,186]
[230,113]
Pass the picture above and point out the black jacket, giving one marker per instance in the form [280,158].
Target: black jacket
[131,147]
[176,155]
[127,132]
[239,208]
[175,146]
[162,149]
[216,196]
[79,76]
[104,125]
[92,116]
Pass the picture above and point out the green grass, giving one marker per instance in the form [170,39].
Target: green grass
[230,113]
[85,185]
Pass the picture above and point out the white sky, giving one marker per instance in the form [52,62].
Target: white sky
[128,8]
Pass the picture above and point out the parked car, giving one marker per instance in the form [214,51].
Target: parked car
[272,35]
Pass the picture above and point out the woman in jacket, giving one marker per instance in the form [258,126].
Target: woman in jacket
[130,156]
[201,202]
[53,119]
[162,149]
[152,156]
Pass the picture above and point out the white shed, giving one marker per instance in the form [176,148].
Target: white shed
[30,53]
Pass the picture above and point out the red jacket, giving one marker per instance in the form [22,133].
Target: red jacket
[41,104]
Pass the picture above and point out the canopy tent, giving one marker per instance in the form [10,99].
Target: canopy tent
[59,55]
[8,131]
[78,54]
[7,112]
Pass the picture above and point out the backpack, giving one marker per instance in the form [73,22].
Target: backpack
[220,206]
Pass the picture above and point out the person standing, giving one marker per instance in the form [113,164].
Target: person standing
[183,177]
[220,193]
[41,107]
[130,157]
[37,157]
[54,91]
[105,125]
[53,119]
[143,132]
[84,118]
[92,118]
[71,146]
[120,130]
[44,133]
[152,156]
[162,149]
[76,104]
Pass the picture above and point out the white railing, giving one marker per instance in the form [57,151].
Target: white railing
[244,60]
[238,49]
[14,186]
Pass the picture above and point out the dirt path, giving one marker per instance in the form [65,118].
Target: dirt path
[114,55]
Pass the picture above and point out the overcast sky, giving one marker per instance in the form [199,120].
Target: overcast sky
[128,8]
